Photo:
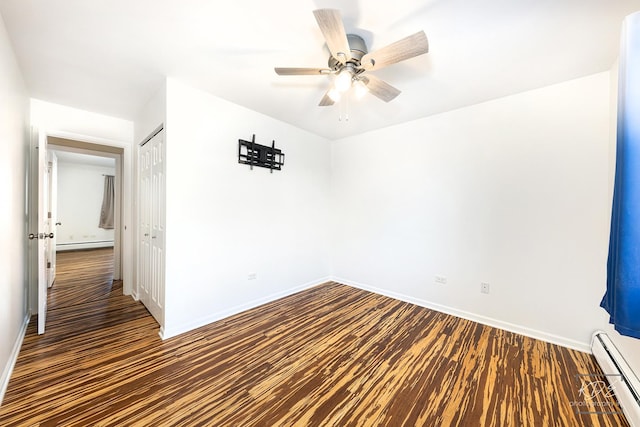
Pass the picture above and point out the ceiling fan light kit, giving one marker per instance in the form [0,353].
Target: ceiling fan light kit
[350,59]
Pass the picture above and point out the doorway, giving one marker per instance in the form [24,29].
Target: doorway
[78,193]
[38,205]
[82,171]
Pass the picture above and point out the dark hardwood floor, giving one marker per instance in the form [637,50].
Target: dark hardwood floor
[328,356]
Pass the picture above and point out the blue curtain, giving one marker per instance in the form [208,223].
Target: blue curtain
[622,298]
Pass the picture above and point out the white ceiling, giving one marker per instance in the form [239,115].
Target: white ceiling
[110,56]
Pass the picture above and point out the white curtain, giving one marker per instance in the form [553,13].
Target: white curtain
[106,213]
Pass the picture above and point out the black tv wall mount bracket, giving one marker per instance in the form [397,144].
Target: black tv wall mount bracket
[252,154]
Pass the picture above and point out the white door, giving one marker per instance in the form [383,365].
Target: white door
[157,225]
[151,226]
[144,226]
[38,222]
[52,215]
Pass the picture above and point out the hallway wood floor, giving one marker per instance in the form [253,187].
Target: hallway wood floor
[328,356]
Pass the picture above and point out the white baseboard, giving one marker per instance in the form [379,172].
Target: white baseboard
[180,329]
[8,369]
[523,330]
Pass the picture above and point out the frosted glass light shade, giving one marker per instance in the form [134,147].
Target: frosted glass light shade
[334,95]
[360,89]
[343,81]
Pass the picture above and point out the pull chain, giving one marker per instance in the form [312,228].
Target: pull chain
[344,108]
[346,102]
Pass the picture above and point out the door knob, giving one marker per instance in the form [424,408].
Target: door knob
[40,236]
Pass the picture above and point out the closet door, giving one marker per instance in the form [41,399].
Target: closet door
[157,226]
[151,226]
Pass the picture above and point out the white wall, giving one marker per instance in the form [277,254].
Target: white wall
[80,193]
[225,221]
[14,137]
[513,192]
[151,116]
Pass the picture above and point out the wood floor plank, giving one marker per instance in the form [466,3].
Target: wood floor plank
[328,356]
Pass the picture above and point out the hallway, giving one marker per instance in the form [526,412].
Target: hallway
[82,277]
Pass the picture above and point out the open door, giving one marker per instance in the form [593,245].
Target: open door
[52,215]
[42,233]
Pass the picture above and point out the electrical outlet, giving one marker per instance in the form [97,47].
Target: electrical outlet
[484,287]
[441,280]
[252,276]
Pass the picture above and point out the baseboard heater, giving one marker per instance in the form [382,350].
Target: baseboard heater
[612,362]
[74,246]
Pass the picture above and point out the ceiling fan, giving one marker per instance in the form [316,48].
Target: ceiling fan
[350,60]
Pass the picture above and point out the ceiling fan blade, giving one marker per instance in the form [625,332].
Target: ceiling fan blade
[380,88]
[330,23]
[326,100]
[408,47]
[301,71]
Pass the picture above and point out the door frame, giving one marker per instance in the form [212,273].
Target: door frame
[123,266]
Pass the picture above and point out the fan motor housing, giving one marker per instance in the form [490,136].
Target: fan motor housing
[358,50]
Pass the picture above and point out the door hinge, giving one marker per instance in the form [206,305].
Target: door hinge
[49,215]
[49,264]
